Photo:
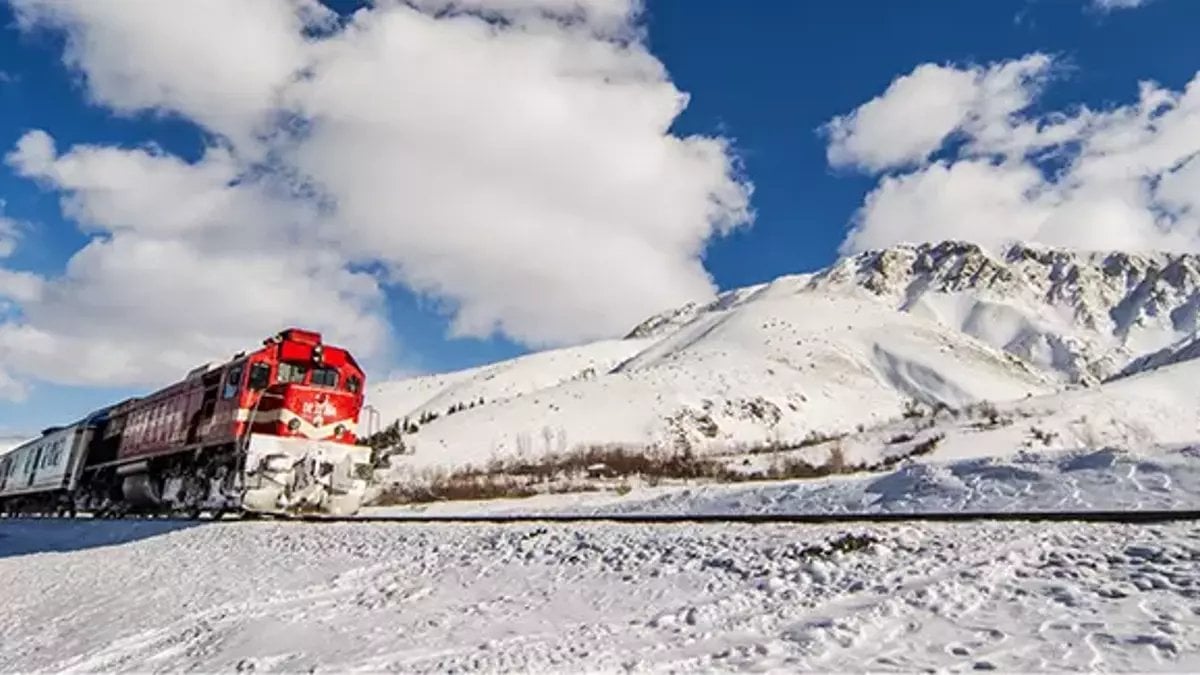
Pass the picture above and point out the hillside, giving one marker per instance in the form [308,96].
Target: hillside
[806,356]
[498,382]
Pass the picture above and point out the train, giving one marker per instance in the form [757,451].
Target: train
[267,432]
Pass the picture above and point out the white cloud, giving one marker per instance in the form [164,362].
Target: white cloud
[11,390]
[1122,178]
[15,286]
[218,62]
[519,171]
[549,204]
[8,233]
[192,266]
[1111,5]
[917,113]
[600,16]
[999,203]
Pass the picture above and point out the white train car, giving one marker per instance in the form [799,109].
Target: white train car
[40,470]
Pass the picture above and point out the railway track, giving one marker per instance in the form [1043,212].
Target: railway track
[1130,517]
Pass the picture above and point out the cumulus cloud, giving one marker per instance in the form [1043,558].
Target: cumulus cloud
[1112,5]
[217,62]
[192,264]
[11,390]
[8,233]
[601,16]
[1121,178]
[920,110]
[510,159]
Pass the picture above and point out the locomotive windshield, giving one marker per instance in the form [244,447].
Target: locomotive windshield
[296,373]
[325,377]
[292,372]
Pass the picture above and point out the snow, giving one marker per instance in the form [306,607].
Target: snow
[1148,422]
[1166,478]
[830,351]
[161,596]
[1133,443]
[1139,412]
[1101,480]
[411,397]
[1183,350]
[1081,314]
[776,368]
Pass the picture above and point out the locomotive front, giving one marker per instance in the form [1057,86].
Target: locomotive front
[305,401]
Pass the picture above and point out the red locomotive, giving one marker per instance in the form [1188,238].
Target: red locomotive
[271,431]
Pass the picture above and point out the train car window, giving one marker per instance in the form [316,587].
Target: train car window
[51,456]
[260,376]
[234,381]
[352,384]
[325,377]
[291,372]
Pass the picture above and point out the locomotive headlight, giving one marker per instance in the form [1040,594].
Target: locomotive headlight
[339,430]
[294,424]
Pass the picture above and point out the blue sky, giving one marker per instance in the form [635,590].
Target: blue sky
[764,75]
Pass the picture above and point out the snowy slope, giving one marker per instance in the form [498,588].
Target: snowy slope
[1133,443]
[1184,350]
[824,353]
[1138,413]
[775,368]
[163,596]
[497,382]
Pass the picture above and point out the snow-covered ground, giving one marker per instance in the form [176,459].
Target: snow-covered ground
[159,597]
[1160,478]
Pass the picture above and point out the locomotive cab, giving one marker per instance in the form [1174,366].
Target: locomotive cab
[297,387]
[300,402]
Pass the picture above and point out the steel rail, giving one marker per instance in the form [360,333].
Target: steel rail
[1139,516]
[1144,516]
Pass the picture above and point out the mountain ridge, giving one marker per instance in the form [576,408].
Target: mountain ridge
[1113,294]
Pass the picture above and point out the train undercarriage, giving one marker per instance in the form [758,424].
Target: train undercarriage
[268,475]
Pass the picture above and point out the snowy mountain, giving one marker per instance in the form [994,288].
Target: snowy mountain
[1084,315]
[811,355]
